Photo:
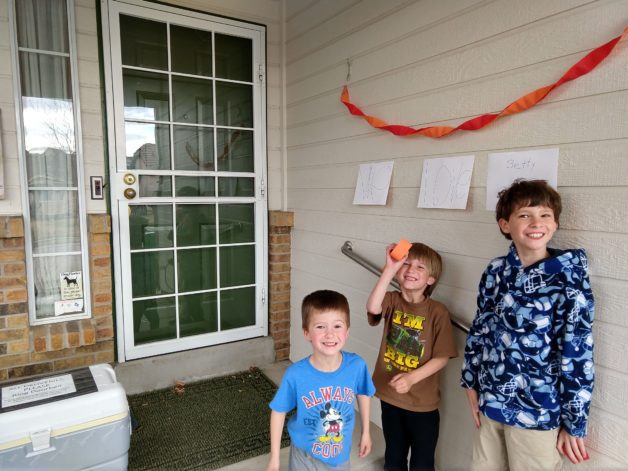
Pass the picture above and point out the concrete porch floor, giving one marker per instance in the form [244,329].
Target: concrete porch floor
[373,462]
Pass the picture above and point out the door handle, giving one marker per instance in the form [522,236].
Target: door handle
[129,193]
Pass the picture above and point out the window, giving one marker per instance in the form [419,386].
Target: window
[50,158]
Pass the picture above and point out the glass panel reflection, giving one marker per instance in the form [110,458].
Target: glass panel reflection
[197,269]
[192,100]
[196,224]
[193,148]
[195,186]
[154,186]
[236,223]
[152,273]
[235,150]
[236,186]
[191,50]
[198,314]
[147,146]
[150,226]
[234,104]
[237,265]
[55,226]
[143,43]
[234,58]
[46,274]
[145,95]
[50,18]
[153,320]
[237,308]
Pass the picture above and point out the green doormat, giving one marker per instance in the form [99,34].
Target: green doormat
[213,423]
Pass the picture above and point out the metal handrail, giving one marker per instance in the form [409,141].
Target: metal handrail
[347,249]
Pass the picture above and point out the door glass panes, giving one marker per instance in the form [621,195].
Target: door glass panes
[192,100]
[150,226]
[237,307]
[234,104]
[236,186]
[235,150]
[193,148]
[236,223]
[195,186]
[191,51]
[143,43]
[237,265]
[147,146]
[154,319]
[196,224]
[197,269]
[198,313]
[234,58]
[152,272]
[154,186]
[145,95]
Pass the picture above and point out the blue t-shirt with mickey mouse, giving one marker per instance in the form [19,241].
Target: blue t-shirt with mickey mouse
[324,402]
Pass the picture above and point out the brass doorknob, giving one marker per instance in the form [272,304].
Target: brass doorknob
[129,179]
[129,193]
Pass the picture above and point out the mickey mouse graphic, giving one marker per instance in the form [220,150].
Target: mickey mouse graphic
[332,424]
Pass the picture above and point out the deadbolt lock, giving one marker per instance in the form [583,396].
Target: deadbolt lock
[129,193]
[129,179]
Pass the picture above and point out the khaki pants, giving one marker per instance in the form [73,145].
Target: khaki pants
[499,447]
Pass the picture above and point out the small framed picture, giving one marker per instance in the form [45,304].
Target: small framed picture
[96,184]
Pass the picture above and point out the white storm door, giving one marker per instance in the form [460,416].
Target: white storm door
[188,164]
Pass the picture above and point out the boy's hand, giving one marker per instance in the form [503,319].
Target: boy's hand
[571,447]
[401,383]
[472,396]
[365,444]
[273,464]
[391,263]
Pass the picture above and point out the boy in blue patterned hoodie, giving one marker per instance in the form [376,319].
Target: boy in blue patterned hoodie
[528,363]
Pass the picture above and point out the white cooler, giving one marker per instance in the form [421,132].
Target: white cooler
[70,421]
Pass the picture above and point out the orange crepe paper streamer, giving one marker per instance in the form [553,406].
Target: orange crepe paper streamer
[580,68]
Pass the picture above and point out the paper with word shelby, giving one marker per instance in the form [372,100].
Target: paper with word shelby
[373,183]
[506,167]
[445,182]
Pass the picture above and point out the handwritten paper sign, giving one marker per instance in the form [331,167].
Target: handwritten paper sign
[445,182]
[373,183]
[506,167]
[37,390]
[71,285]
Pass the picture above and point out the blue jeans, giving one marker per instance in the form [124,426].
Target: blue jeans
[406,431]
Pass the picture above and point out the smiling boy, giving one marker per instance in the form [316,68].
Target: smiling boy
[417,343]
[528,363]
[323,388]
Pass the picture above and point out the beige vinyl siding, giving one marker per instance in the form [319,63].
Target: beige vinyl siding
[434,62]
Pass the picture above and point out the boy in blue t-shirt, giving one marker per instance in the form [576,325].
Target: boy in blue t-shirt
[323,388]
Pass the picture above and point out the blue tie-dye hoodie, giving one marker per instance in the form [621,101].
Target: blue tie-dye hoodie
[529,353]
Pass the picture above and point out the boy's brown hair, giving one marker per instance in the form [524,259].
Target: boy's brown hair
[432,260]
[321,301]
[524,193]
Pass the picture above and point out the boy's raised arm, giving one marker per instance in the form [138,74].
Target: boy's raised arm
[276,428]
[374,303]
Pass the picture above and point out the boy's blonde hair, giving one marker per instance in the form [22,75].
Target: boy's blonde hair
[321,301]
[432,260]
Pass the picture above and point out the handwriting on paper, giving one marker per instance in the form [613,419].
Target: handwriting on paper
[506,167]
[373,183]
[445,182]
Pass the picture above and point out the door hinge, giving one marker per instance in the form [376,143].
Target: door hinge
[262,188]
[263,295]
[261,73]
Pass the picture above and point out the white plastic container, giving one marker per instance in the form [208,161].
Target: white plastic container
[46,426]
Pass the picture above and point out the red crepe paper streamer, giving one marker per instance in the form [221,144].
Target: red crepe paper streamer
[580,68]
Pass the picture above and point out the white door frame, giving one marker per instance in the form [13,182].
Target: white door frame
[117,161]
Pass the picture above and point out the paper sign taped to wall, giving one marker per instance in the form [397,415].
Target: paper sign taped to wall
[373,183]
[445,182]
[506,167]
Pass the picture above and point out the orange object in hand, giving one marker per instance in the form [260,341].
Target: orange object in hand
[401,249]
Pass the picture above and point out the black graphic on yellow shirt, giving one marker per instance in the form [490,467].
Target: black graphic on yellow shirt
[404,349]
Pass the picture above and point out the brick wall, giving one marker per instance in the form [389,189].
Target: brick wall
[28,351]
[279,235]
